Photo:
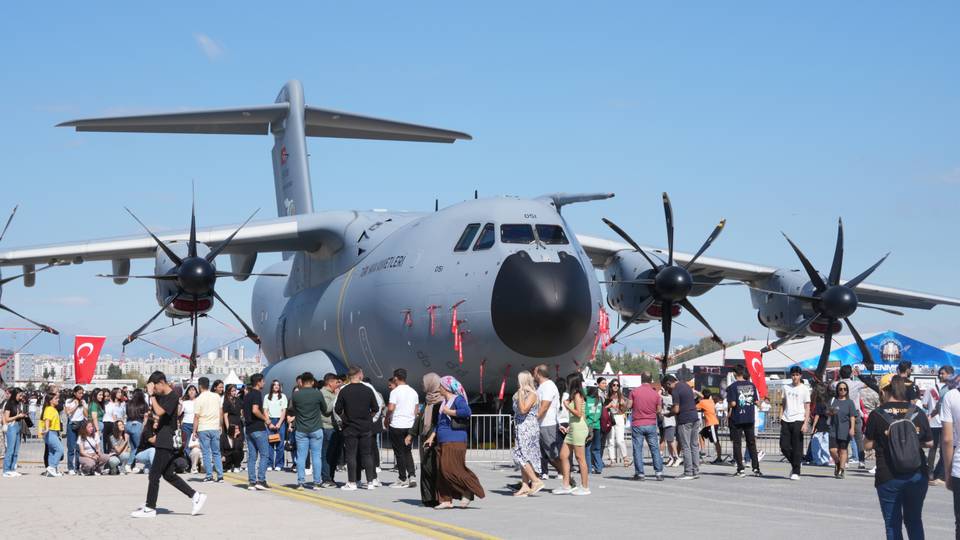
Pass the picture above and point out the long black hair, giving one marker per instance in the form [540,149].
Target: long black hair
[137,406]
[575,384]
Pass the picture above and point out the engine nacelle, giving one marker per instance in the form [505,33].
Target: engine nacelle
[624,298]
[318,363]
[184,306]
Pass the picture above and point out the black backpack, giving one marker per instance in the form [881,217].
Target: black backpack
[903,442]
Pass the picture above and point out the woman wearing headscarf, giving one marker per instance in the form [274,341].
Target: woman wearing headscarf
[455,480]
[425,428]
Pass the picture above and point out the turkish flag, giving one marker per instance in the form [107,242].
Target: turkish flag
[754,361]
[86,351]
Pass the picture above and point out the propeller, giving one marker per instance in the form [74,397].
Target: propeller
[670,284]
[831,301]
[195,277]
[6,280]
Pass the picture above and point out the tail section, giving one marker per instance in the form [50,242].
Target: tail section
[291,170]
[290,121]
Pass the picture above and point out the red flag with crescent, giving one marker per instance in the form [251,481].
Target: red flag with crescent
[754,361]
[86,351]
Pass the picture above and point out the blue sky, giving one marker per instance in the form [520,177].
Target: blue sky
[777,117]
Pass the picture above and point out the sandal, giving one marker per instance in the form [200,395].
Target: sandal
[523,492]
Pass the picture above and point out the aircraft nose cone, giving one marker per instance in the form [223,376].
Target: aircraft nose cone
[541,309]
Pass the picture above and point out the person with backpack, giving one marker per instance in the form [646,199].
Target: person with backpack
[897,430]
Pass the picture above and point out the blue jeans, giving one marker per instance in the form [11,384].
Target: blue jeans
[186,430]
[652,438]
[257,446]
[312,442]
[901,502]
[73,451]
[596,451]
[13,447]
[145,458]
[328,442]
[135,429]
[210,446]
[54,447]
[276,457]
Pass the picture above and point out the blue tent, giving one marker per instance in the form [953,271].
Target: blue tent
[888,349]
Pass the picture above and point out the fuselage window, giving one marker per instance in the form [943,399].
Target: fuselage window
[486,239]
[467,237]
[551,234]
[516,234]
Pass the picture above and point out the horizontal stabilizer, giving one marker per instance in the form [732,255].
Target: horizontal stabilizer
[258,121]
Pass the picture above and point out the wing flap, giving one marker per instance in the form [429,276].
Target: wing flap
[234,121]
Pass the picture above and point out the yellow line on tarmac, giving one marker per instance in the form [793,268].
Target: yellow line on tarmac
[419,525]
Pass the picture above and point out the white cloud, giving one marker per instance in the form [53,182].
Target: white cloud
[211,48]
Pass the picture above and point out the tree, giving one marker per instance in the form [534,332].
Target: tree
[114,372]
[141,381]
[46,374]
[30,387]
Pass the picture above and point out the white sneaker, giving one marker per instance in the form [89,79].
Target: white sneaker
[563,491]
[52,472]
[399,484]
[580,491]
[308,471]
[72,472]
[144,512]
[349,486]
[760,455]
[873,470]
[198,500]
[269,469]
[794,476]
[375,483]
[378,470]
[9,474]
[127,469]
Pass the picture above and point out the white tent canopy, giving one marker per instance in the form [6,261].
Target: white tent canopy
[954,349]
[232,378]
[791,352]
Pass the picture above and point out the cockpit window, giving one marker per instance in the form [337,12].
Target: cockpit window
[551,234]
[464,243]
[486,239]
[516,234]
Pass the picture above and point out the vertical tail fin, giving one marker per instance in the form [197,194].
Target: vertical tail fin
[291,170]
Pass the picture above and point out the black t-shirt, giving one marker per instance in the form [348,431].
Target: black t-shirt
[877,425]
[167,423]
[253,423]
[683,396]
[744,395]
[356,404]
[231,408]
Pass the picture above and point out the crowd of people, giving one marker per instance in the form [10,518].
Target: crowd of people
[337,423]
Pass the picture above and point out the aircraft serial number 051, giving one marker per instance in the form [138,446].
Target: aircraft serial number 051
[390,262]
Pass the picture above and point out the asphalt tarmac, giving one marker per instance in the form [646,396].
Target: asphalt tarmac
[717,506]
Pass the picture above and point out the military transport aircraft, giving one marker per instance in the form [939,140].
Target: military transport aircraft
[480,289]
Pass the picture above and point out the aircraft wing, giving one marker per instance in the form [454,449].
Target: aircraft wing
[309,232]
[600,251]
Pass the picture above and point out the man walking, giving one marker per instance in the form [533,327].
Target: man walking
[794,421]
[255,425]
[549,397]
[950,444]
[206,411]
[933,404]
[741,400]
[356,405]
[165,406]
[645,405]
[401,412]
[332,436]
[308,407]
[688,426]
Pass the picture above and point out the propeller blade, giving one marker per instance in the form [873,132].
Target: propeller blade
[9,219]
[250,333]
[781,293]
[811,271]
[693,311]
[632,281]
[43,327]
[140,330]
[825,352]
[834,278]
[886,310]
[170,254]
[240,274]
[193,353]
[666,318]
[6,280]
[790,335]
[192,244]
[630,241]
[866,273]
[641,310]
[164,277]
[216,251]
[864,350]
[668,217]
[713,236]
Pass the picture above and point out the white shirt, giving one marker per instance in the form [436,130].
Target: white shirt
[405,401]
[113,412]
[547,391]
[930,403]
[77,415]
[187,406]
[666,402]
[563,417]
[795,399]
[950,413]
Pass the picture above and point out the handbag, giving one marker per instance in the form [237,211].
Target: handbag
[273,438]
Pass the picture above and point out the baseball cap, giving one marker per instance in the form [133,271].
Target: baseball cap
[885,380]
